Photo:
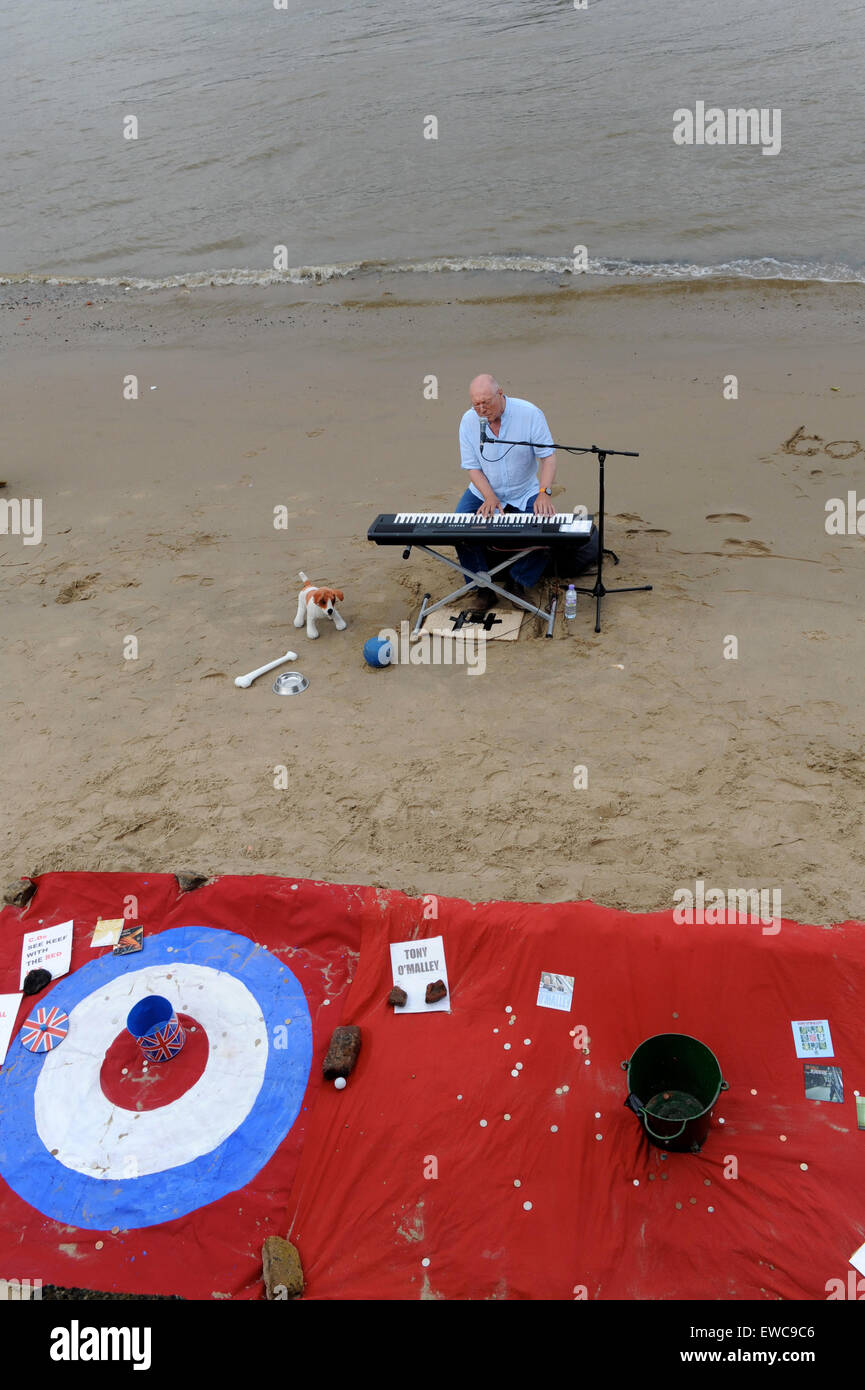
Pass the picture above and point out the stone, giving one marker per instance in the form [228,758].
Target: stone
[36,980]
[19,892]
[187,883]
[342,1053]
[397,997]
[281,1269]
[436,991]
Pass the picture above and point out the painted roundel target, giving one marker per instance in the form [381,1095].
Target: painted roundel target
[95,1136]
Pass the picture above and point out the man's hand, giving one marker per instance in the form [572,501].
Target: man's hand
[490,506]
[544,505]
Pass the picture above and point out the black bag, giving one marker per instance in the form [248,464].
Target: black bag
[566,559]
[575,556]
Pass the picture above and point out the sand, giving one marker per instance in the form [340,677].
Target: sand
[158,525]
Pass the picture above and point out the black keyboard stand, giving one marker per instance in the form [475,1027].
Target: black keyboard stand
[481,580]
[599,589]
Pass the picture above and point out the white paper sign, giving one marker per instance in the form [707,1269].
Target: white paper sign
[415,965]
[812,1038]
[9,1004]
[49,949]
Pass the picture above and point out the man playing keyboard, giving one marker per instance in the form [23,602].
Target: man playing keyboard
[505,477]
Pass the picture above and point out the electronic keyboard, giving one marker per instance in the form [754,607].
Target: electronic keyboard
[451,528]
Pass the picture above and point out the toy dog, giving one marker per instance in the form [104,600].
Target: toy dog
[313,604]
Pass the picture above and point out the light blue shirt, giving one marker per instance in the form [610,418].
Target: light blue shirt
[512,470]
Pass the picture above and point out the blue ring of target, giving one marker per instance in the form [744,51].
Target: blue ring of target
[97,1203]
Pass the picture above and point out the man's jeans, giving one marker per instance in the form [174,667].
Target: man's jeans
[526,571]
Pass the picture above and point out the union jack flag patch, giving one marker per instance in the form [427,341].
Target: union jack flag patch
[164,1043]
[44,1030]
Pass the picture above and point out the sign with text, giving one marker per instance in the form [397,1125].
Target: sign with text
[812,1038]
[48,949]
[415,965]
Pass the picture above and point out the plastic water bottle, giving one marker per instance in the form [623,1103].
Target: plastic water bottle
[571,602]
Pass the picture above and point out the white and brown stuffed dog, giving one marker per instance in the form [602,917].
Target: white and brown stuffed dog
[313,603]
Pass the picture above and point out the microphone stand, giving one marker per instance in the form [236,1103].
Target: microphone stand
[598,590]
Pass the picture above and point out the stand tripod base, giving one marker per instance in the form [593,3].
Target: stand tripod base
[599,591]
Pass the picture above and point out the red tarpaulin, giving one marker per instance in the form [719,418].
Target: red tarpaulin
[437,1172]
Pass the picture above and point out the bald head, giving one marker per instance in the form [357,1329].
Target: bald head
[487,397]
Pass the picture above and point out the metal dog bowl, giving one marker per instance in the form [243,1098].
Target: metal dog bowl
[290,683]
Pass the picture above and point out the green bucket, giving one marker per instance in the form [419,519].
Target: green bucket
[674,1083]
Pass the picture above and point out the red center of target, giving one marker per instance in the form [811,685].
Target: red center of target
[132,1083]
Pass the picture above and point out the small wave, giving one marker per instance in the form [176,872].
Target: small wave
[758,268]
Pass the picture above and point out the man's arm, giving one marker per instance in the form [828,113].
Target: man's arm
[546,466]
[491,503]
[546,477]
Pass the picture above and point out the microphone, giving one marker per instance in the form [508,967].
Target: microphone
[484,435]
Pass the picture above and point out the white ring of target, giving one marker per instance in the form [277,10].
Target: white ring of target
[89,1134]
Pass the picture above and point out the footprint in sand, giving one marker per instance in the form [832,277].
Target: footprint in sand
[646,531]
[77,590]
[748,547]
[727,516]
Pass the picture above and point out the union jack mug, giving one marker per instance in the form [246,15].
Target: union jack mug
[156,1028]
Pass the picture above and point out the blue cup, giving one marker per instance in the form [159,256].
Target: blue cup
[378,651]
[156,1028]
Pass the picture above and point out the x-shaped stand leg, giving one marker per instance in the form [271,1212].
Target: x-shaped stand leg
[482,579]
